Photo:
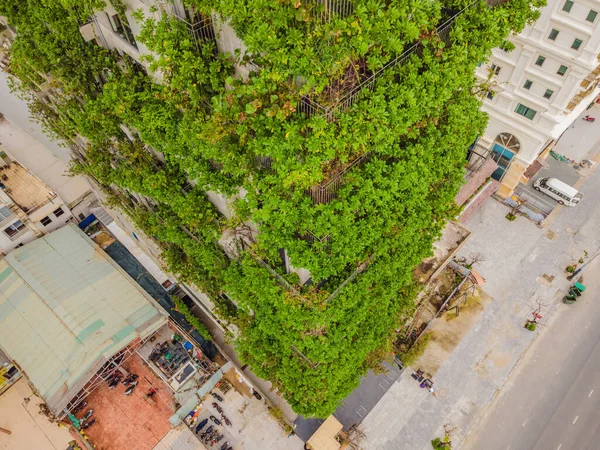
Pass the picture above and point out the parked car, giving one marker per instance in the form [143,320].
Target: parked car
[559,191]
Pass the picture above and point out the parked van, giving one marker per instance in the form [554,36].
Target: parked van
[561,192]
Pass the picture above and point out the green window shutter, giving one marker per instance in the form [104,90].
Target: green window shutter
[576,44]
[527,84]
[525,111]
[548,93]
[567,6]
[591,17]
[553,34]
[540,60]
[562,70]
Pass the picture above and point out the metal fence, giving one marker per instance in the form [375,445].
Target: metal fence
[327,9]
[536,203]
[477,156]
[309,107]
[199,26]
[325,193]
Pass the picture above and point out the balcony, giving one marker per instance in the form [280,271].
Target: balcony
[326,192]
[329,108]
[199,26]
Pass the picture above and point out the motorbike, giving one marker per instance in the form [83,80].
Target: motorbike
[589,119]
[87,415]
[207,432]
[201,425]
[86,425]
[225,446]
[79,407]
[217,407]
[215,420]
[226,420]
[129,379]
[216,396]
[131,387]
[150,393]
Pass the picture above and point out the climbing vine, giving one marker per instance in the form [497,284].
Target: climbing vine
[338,137]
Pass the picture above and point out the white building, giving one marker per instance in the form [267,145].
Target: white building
[28,208]
[539,87]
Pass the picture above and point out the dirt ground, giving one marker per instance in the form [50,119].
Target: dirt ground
[448,330]
[130,422]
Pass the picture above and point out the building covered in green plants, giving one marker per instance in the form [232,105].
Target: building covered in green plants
[295,159]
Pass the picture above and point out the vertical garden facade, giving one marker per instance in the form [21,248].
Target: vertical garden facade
[338,133]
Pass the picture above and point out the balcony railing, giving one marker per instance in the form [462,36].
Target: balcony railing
[327,9]
[326,192]
[310,107]
[199,26]
[477,156]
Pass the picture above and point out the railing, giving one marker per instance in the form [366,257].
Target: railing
[326,9]
[199,26]
[325,193]
[264,162]
[310,107]
[478,155]
[309,237]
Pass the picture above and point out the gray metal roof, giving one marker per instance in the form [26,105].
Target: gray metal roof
[65,307]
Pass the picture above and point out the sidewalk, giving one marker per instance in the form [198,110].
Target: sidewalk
[522,262]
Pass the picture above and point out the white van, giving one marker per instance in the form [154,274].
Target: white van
[561,192]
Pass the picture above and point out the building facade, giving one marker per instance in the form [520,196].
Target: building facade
[28,208]
[537,88]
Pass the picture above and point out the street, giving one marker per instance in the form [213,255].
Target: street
[551,401]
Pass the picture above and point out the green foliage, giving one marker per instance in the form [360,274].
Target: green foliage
[390,164]
[511,217]
[531,326]
[416,350]
[192,319]
[439,444]
[571,268]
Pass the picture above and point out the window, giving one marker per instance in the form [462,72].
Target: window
[490,94]
[5,213]
[46,221]
[525,111]
[121,27]
[58,212]
[567,6]
[553,34]
[540,61]
[527,84]
[548,93]
[562,70]
[576,44]
[14,229]
[496,69]
[591,17]
[507,46]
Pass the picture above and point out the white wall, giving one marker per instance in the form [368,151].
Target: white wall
[519,65]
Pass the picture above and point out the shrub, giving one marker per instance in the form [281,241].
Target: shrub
[409,357]
[531,326]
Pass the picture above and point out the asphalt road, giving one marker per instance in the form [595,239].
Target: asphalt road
[552,400]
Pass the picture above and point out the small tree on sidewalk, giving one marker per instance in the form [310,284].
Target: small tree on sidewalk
[445,443]
[536,307]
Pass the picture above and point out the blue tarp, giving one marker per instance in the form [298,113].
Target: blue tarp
[87,221]
[132,266]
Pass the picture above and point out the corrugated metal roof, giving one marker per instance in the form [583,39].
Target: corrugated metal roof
[65,307]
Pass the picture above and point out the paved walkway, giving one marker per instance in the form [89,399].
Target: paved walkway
[581,136]
[522,262]
[551,400]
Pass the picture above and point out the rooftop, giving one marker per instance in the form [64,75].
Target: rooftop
[65,308]
[26,190]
